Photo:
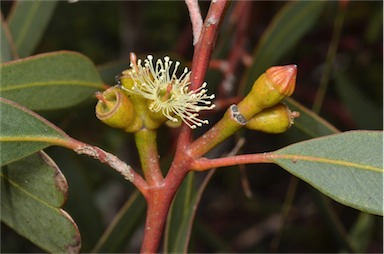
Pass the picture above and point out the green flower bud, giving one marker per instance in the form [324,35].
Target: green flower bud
[126,80]
[269,89]
[116,110]
[276,119]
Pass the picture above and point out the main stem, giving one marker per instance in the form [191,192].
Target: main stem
[159,200]
[159,197]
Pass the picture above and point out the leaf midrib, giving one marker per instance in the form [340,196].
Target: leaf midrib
[295,158]
[34,197]
[51,83]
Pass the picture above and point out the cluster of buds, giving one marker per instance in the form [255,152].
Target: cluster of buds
[150,94]
[262,107]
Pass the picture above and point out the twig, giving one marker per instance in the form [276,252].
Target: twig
[203,164]
[147,148]
[111,160]
[206,43]
[196,19]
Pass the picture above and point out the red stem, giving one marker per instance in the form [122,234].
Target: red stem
[109,159]
[203,164]
[201,59]
[205,45]
[158,202]
[159,198]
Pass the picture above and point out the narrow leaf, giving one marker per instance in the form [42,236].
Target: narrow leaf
[27,23]
[362,109]
[23,132]
[284,32]
[81,203]
[123,225]
[50,81]
[110,70]
[362,231]
[180,214]
[309,123]
[32,192]
[348,167]
[7,51]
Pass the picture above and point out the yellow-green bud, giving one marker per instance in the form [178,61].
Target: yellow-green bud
[126,80]
[269,89]
[116,110]
[276,119]
[151,120]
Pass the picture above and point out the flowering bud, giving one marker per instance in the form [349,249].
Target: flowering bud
[276,119]
[269,89]
[116,110]
[126,80]
[166,96]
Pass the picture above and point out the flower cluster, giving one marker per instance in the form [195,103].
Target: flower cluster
[168,93]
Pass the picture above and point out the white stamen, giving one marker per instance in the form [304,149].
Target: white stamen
[152,82]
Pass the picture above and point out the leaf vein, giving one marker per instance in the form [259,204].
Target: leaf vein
[295,158]
[51,83]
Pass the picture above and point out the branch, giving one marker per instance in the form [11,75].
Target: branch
[203,164]
[206,43]
[147,148]
[200,62]
[196,19]
[111,160]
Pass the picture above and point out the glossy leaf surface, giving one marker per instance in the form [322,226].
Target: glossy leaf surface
[348,167]
[32,191]
[50,81]
[23,132]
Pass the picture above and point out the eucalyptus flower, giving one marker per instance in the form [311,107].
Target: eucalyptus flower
[168,93]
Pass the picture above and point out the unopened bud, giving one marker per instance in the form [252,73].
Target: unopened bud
[276,119]
[269,89]
[283,78]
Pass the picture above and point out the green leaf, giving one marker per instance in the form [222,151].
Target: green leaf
[110,70]
[81,191]
[123,225]
[6,51]
[285,30]
[347,167]
[179,216]
[309,123]
[32,192]
[366,114]
[27,22]
[182,213]
[23,132]
[50,81]
[362,231]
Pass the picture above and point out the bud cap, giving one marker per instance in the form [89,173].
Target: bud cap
[283,78]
